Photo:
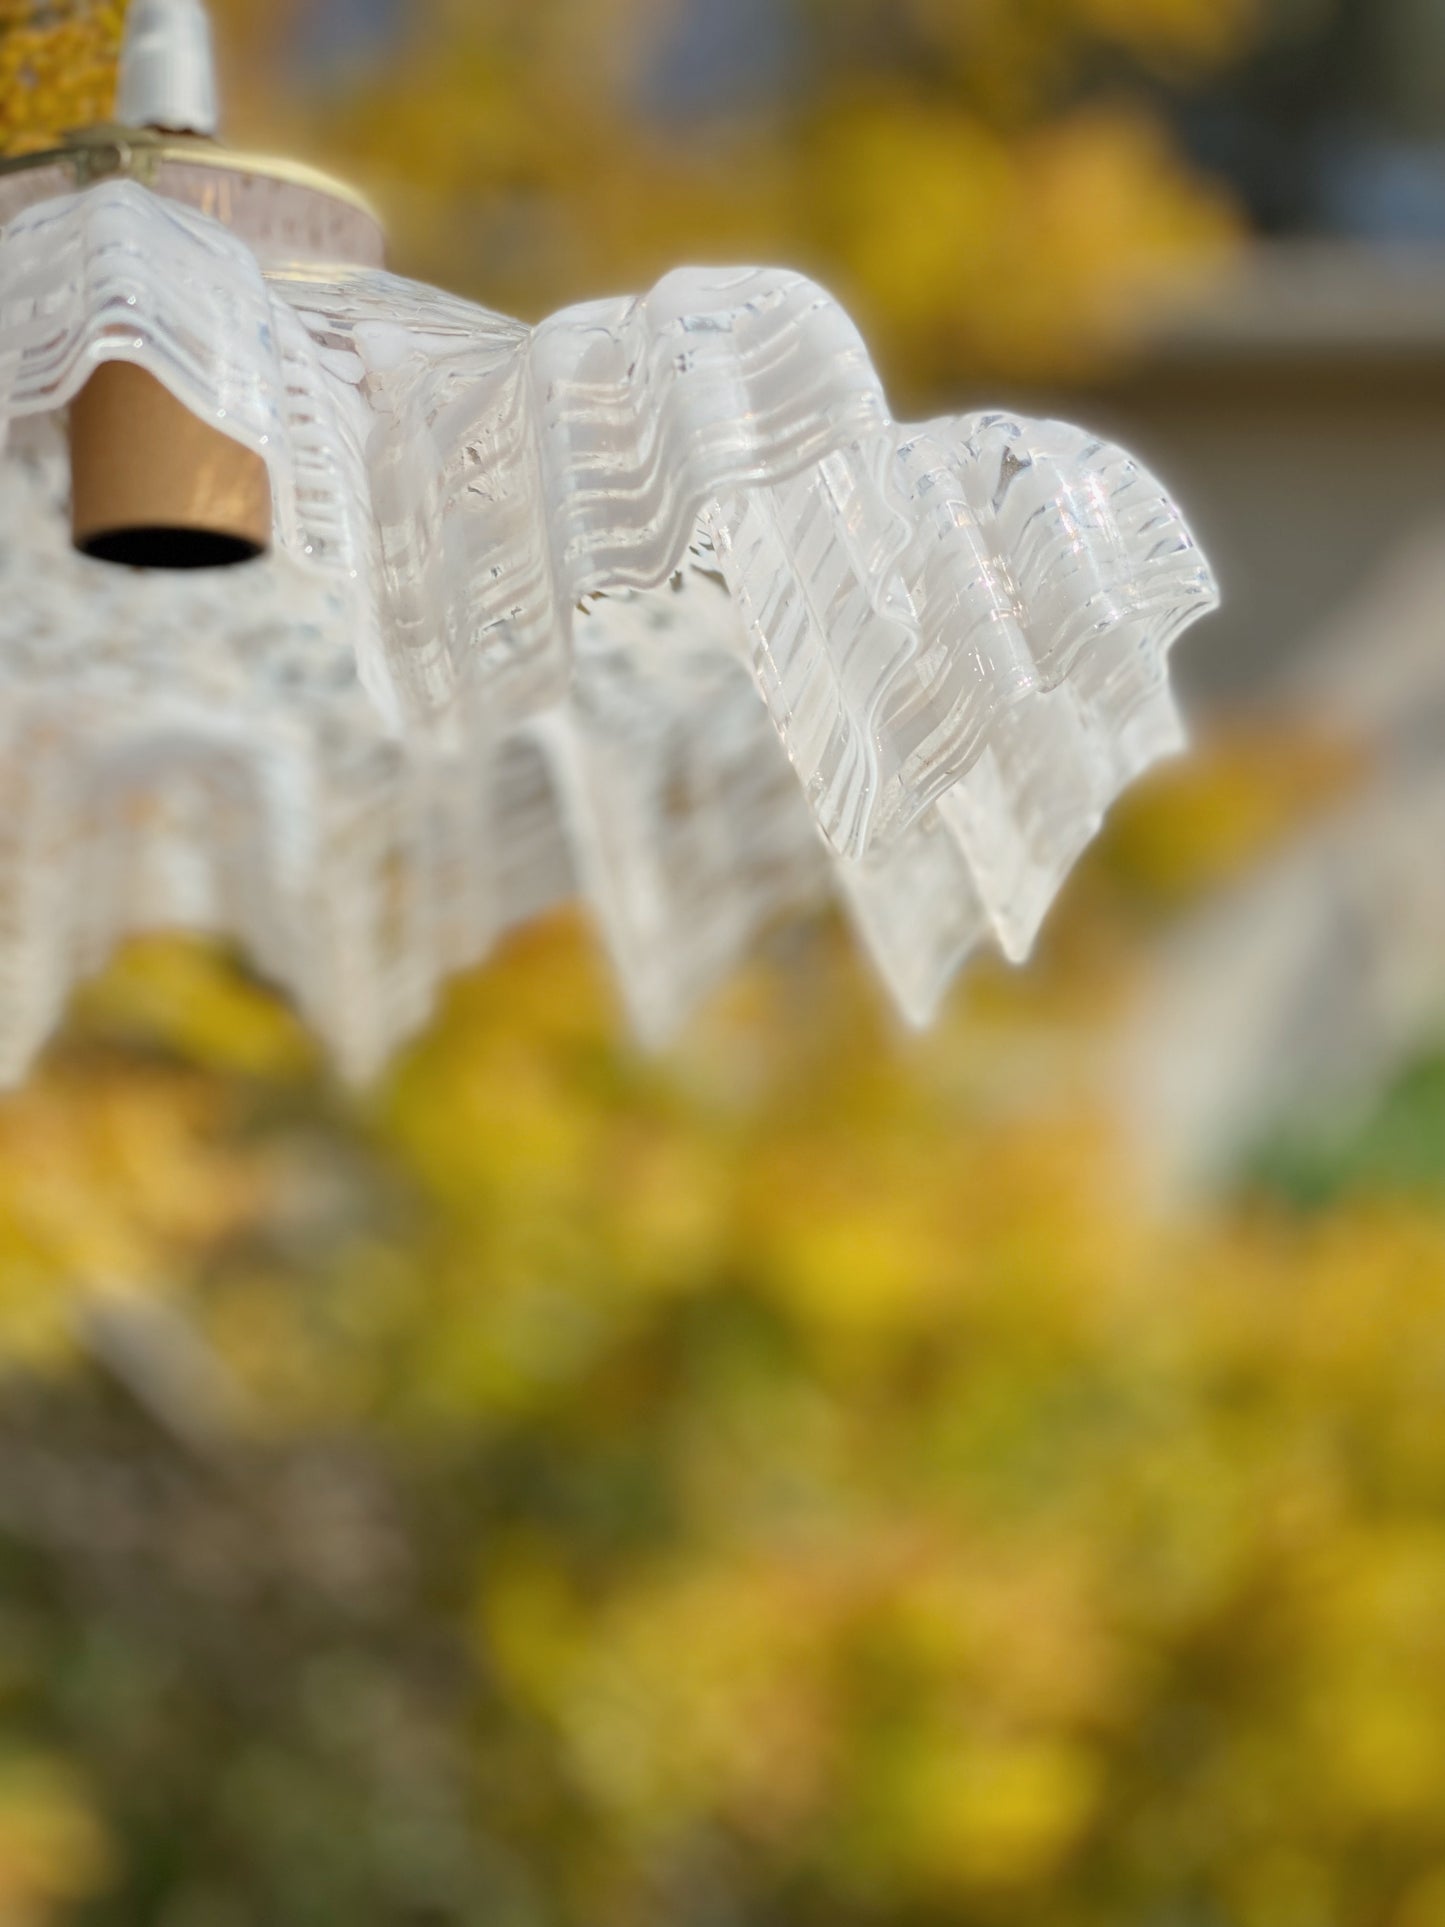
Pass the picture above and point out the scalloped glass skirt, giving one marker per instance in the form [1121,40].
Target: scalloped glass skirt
[654,605]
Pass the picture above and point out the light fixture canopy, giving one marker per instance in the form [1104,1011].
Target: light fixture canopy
[168,74]
[533,612]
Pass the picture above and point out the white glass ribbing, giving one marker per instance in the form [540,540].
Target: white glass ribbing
[550,611]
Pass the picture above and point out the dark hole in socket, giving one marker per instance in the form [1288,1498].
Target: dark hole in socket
[159,548]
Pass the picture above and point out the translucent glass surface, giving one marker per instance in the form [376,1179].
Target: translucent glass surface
[550,611]
[198,751]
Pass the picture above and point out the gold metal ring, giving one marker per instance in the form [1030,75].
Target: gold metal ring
[95,153]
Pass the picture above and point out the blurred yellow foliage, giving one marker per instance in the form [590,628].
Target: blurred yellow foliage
[1203,821]
[109,1177]
[52,1850]
[983,227]
[1188,31]
[867,1476]
[57,68]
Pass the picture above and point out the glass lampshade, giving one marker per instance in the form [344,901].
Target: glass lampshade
[653,604]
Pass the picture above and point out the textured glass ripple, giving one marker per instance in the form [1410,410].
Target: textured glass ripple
[653,604]
[249,787]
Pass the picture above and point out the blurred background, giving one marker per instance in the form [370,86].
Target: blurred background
[812,1478]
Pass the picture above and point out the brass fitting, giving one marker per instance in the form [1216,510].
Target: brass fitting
[155,487]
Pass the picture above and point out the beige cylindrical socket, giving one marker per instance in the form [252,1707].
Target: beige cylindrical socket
[154,487]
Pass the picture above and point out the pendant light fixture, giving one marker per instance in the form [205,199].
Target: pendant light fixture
[348,619]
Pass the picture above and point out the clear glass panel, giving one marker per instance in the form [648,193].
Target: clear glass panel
[528,588]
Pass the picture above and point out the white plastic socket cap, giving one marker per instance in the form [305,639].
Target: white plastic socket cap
[168,68]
